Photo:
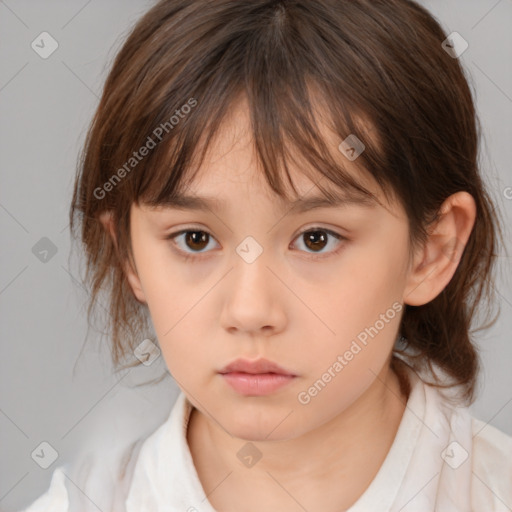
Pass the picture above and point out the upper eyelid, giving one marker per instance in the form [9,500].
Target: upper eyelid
[303,230]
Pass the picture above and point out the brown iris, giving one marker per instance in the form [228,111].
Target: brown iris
[315,240]
[196,237]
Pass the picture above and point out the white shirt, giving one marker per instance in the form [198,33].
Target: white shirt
[442,459]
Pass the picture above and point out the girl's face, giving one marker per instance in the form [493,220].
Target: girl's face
[251,278]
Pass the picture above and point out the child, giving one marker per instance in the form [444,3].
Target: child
[322,154]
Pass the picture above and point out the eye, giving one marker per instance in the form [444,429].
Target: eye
[317,238]
[195,239]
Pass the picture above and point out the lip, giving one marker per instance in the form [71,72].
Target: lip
[256,378]
[258,366]
[258,384]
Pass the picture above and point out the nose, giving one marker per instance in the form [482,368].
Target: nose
[255,298]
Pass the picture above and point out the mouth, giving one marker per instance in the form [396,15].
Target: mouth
[256,378]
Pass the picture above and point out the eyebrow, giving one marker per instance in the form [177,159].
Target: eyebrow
[300,205]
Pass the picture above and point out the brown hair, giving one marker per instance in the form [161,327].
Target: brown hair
[186,62]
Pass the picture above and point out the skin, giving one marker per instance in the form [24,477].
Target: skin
[287,307]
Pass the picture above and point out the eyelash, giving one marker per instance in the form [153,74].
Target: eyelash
[194,256]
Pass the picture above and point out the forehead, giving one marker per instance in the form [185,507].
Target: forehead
[232,158]
[231,172]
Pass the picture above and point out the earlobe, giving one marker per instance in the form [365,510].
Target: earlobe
[436,262]
[133,279]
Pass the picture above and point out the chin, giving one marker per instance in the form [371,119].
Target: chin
[261,427]
[259,435]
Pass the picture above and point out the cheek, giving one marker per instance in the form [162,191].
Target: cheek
[360,314]
[365,287]
[177,301]
[159,274]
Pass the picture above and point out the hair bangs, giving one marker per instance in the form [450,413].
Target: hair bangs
[294,140]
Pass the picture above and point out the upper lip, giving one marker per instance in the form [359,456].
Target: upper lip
[255,367]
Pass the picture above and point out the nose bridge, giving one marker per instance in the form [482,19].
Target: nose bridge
[252,259]
[252,298]
[258,249]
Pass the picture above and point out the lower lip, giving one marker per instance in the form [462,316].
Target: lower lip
[256,384]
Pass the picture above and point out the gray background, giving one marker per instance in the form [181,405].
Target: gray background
[45,108]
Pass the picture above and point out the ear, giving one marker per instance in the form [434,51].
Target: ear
[435,263]
[107,221]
